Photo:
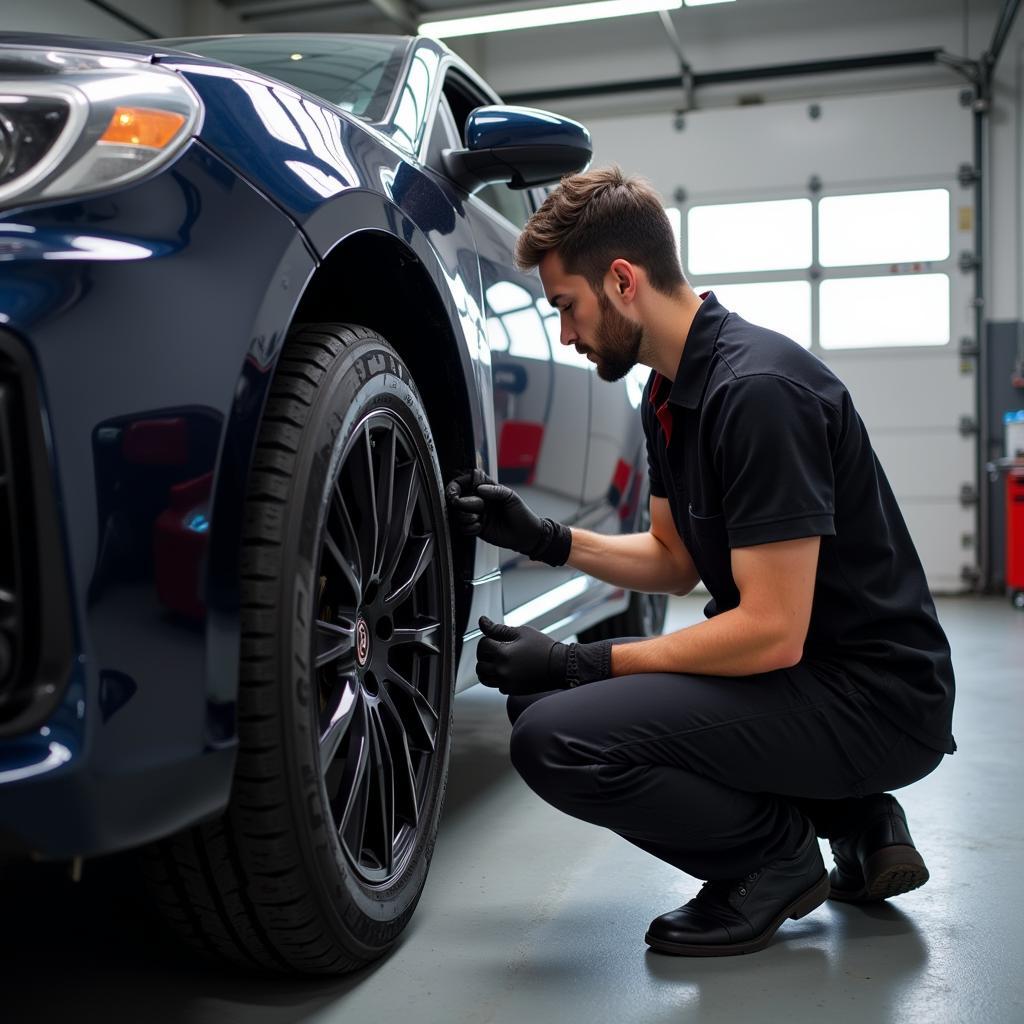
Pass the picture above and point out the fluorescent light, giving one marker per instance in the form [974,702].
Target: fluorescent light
[542,16]
[705,3]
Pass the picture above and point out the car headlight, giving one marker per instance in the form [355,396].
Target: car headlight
[73,122]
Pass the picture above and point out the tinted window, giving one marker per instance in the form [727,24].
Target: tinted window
[355,73]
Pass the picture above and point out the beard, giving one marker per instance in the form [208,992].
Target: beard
[618,342]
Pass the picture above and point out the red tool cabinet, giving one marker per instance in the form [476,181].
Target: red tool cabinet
[1015,534]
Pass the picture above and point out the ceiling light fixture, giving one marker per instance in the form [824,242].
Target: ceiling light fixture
[705,3]
[540,17]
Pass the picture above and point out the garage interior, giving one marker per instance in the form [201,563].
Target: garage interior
[806,107]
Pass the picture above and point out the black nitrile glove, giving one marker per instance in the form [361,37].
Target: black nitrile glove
[483,508]
[522,660]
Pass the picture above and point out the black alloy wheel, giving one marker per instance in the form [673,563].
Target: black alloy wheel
[347,675]
[379,630]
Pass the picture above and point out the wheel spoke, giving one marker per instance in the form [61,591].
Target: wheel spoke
[385,496]
[406,805]
[335,642]
[385,774]
[346,541]
[337,727]
[355,785]
[419,553]
[426,636]
[423,723]
[366,494]
[407,494]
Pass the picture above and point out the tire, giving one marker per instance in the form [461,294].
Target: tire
[645,613]
[321,857]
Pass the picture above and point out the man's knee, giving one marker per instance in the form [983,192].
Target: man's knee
[527,742]
[515,706]
[536,748]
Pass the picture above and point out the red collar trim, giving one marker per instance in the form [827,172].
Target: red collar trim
[661,409]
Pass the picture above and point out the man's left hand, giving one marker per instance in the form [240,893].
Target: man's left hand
[519,660]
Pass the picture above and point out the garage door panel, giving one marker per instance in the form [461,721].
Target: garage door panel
[939,530]
[900,389]
[747,150]
[910,457]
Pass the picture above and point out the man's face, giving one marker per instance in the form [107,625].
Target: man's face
[589,322]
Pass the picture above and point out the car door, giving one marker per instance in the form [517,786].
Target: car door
[541,392]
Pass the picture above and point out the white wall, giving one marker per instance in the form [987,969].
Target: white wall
[79,18]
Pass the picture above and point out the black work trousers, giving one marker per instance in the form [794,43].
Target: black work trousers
[715,775]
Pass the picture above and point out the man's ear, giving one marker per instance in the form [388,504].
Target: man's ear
[623,279]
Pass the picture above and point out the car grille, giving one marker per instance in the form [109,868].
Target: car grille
[35,636]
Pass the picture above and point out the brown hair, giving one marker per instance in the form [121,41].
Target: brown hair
[599,216]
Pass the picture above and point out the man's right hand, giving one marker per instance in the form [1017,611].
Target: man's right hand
[481,507]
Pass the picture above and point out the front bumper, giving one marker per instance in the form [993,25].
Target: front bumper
[138,334]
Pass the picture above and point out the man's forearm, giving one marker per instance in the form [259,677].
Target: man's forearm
[733,643]
[635,561]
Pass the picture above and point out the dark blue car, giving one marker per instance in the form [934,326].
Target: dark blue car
[257,305]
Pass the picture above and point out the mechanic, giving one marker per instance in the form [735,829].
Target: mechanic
[821,677]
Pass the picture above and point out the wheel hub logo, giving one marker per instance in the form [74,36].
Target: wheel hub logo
[362,642]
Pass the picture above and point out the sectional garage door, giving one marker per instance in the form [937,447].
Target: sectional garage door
[843,226]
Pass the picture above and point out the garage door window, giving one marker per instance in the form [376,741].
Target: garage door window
[737,237]
[884,227]
[867,270]
[870,312]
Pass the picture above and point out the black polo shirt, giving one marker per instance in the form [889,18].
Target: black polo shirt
[756,440]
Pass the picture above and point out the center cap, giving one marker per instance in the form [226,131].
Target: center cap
[362,642]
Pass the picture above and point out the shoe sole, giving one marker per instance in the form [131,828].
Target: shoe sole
[801,906]
[891,871]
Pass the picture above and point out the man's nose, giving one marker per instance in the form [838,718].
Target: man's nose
[568,336]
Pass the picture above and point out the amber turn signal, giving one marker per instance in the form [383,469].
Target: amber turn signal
[140,126]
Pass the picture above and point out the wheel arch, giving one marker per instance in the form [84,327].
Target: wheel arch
[357,283]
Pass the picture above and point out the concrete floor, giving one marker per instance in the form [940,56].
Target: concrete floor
[532,916]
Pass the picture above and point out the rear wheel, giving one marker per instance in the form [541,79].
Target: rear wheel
[347,658]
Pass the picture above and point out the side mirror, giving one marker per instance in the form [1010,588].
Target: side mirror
[519,146]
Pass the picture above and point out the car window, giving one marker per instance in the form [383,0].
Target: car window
[355,73]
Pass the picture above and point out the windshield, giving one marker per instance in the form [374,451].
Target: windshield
[356,73]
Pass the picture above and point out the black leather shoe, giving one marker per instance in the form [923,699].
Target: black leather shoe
[726,918]
[877,861]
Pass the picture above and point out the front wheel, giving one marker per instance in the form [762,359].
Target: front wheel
[347,670]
